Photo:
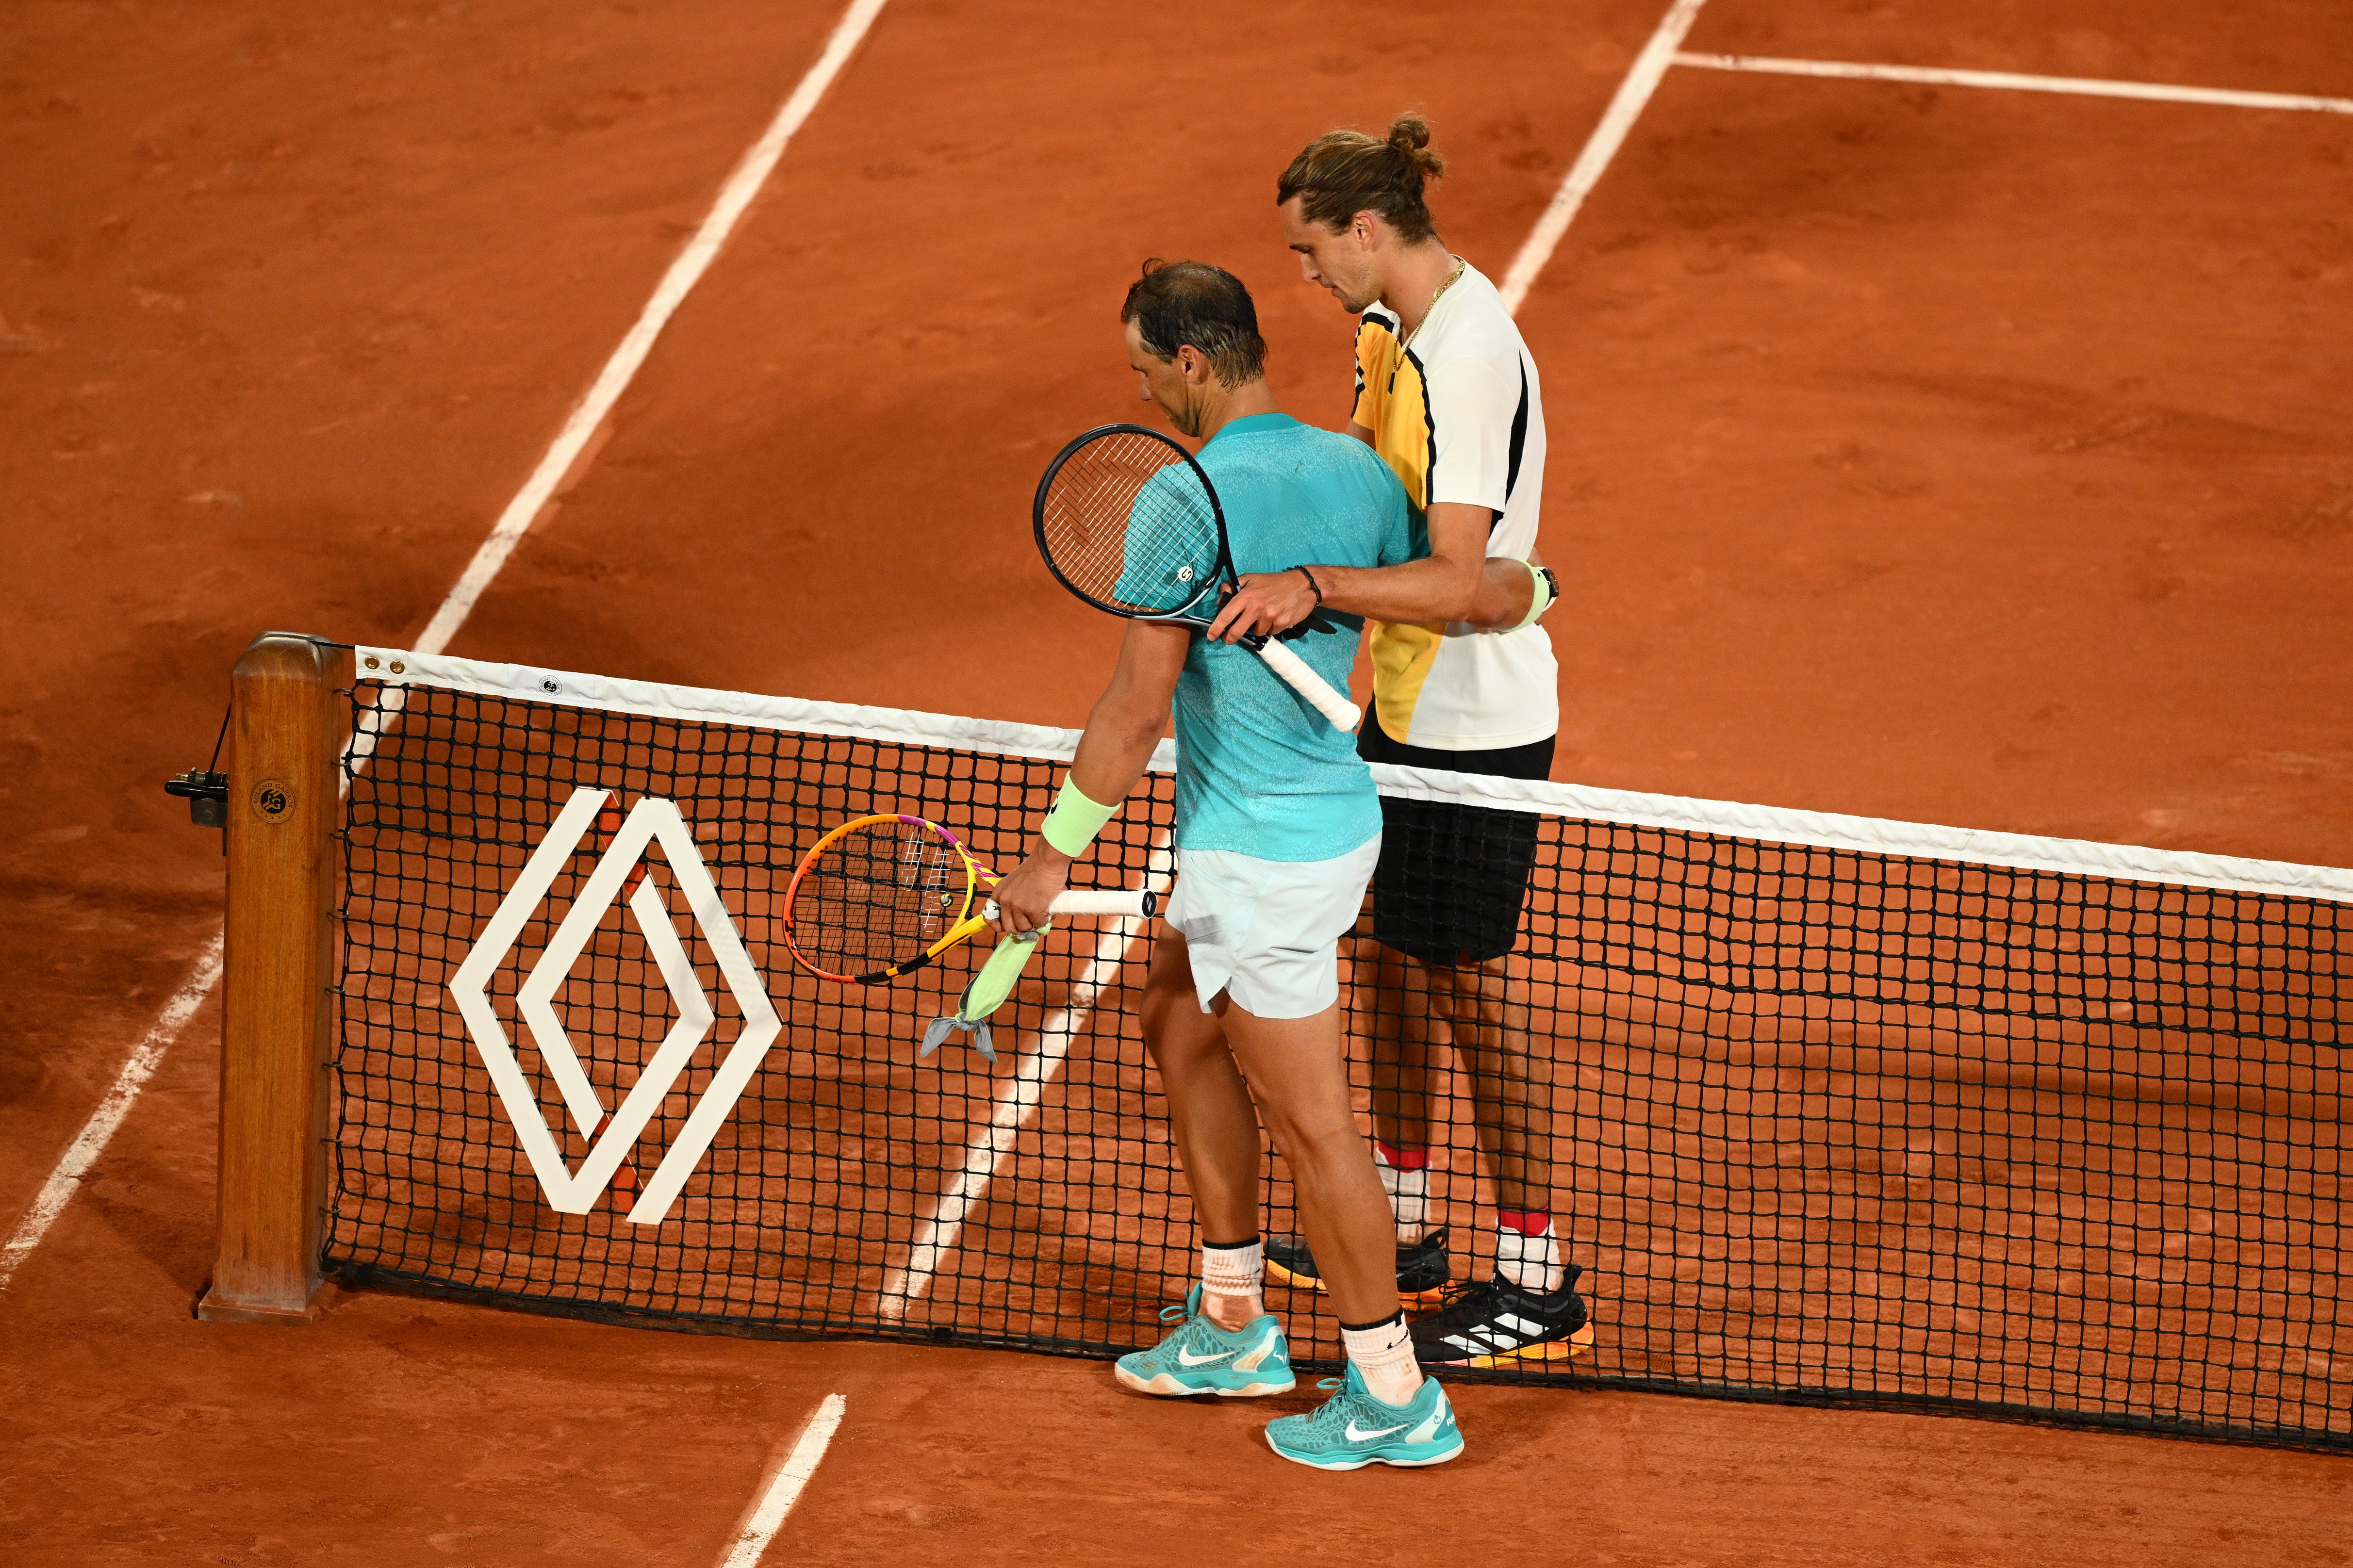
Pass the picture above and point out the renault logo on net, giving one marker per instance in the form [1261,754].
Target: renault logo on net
[650,821]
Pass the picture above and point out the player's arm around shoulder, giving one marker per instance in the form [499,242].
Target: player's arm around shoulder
[1393,583]
[1512,593]
[1126,724]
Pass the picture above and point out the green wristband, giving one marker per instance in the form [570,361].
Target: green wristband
[1075,820]
[1539,594]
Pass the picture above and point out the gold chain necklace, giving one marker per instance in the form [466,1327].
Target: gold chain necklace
[1459,264]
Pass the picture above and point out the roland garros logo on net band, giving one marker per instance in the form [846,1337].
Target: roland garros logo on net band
[612,1137]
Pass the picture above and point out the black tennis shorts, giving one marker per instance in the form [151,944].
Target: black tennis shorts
[1452,879]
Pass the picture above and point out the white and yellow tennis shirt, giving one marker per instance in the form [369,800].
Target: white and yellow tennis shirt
[1459,417]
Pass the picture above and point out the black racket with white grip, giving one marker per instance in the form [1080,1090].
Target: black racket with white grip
[1128,522]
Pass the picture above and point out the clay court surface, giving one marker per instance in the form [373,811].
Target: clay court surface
[1934,453]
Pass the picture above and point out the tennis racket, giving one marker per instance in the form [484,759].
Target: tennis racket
[882,896]
[1127,520]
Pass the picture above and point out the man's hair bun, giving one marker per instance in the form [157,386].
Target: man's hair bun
[1344,173]
[1409,135]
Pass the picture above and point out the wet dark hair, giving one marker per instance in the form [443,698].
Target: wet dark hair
[1180,302]
[1344,173]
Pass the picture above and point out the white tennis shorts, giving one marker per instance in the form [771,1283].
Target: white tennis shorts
[1267,933]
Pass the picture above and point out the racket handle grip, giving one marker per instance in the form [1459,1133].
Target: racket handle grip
[1105,903]
[1093,904]
[1343,713]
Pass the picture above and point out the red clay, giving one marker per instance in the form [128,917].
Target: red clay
[1967,456]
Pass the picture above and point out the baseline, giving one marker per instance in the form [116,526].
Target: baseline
[2088,87]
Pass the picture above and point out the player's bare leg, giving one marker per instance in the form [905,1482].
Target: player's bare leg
[1400,1048]
[1480,1010]
[1511,1089]
[1528,1309]
[1212,1117]
[1224,1342]
[1297,1086]
[1224,1076]
[1296,1071]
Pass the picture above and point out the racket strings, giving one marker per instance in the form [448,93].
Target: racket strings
[881,893]
[1127,523]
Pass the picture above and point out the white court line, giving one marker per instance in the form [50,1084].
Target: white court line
[784,1488]
[2089,87]
[1633,93]
[90,1142]
[622,368]
[989,1150]
[683,274]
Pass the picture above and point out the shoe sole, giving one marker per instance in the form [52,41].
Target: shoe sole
[1574,1345]
[1360,1462]
[1281,1276]
[1166,1385]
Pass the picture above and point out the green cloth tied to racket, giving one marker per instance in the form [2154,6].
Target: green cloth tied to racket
[985,994]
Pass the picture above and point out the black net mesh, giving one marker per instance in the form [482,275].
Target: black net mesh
[1817,1126]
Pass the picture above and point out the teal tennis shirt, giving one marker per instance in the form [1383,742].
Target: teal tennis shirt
[1259,771]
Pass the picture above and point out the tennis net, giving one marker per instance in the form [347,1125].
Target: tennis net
[1841,1111]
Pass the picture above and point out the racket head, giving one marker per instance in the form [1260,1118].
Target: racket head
[872,897]
[1127,520]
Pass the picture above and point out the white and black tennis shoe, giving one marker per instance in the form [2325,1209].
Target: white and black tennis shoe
[1494,1322]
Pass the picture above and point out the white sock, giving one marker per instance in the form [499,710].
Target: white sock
[1408,1193]
[1234,1274]
[1531,1262]
[1383,1357]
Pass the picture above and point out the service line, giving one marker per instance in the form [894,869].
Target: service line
[767,1511]
[737,194]
[2156,92]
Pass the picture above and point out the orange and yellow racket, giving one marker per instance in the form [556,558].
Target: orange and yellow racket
[883,896]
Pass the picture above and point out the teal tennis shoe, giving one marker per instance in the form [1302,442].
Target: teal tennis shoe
[1199,1357]
[1353,1429]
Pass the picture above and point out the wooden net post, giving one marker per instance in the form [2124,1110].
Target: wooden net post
[279,965]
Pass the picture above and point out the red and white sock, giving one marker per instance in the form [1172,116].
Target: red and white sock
[1526,1252]
[1382,1354]
[1231,1279]
[1405,1177]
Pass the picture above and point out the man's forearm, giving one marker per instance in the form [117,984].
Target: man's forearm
[1112,753]
[1429,589]
[1507,588]
[1122,730]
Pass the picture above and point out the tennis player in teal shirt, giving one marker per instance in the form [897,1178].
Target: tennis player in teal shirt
[1278,828]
